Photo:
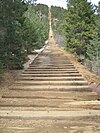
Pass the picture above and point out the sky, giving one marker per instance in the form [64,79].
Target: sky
[61,3]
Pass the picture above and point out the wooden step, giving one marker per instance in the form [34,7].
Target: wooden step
[67,69]
[74,82]
[52,65]
[50,72]
[51,88]
[51,78]
[50,95]
[50,126]
[51,68]
[63,115]
[51,75]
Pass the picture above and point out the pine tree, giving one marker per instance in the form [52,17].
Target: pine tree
[93,49]
[58,22]
[35,30]
[11,48]
[21,29]
[79,25]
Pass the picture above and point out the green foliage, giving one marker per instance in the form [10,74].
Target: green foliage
[79,26]
[11,39]
[41,9]
[58,12]
[93,49]
[23,28]
[58,20]
[35,30]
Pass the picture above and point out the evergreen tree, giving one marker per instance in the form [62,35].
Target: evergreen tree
[41,9]
[11,49]
[58,12]
[93,49]
[79,25]
[36,28]
[58,18]
[22,29]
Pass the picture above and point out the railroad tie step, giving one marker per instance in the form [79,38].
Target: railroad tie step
[63,115]
[50,72]
[51,78]
[50,95]
[51,75]
[61,88]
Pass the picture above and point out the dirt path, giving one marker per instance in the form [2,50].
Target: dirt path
[51,96]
